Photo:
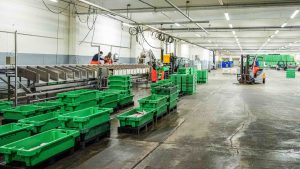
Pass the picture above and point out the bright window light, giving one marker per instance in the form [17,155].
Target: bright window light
[276,32]
[269,40]
[294,14]
[283,25]
[227,16]
[233,32]
[53,0]
[177,24]
[128,25]
[230,25]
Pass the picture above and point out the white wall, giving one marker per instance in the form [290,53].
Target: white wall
[31,17]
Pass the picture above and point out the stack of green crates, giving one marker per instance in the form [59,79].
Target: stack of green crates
[202,76]
[177,80]
[107,99]
[120,82]
[157,102]
[290,73]
[166,82]
[78,99]
[5,105]
[171,92]
[121,86]
[90,122]
[184,70]
[189,84]
[51,106]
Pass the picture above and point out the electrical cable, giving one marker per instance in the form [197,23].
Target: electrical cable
[56,12]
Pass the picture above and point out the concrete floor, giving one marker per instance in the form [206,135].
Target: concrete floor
[224,125]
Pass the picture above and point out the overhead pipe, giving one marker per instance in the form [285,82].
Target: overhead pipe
[129,19]
[179,10]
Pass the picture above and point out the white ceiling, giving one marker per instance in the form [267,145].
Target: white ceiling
[254,22]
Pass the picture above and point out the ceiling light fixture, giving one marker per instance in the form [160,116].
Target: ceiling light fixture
[227,16]
[230,25]
[198,35]
[283,25]
[269,40]
[276,32]
[294,14]
[53,0]
[177,24]
[233,32]
[272,36]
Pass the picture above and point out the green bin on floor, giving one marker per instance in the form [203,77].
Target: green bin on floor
[40,147]
[136,117]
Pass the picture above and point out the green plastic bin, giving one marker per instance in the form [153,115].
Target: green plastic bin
[120,87]
[172,103]
[119,78]
[13,132]
[5,105]
[161,110]
[86,118]
[43,122]
[112,104]
[106,97]
[119,83]
[70,107]
[125,99]
[90,133]
[77,96]
[21,112]
[50,106]
[38,148]
[153,101]
[133,118]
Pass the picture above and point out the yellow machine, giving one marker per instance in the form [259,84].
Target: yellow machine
[167,58]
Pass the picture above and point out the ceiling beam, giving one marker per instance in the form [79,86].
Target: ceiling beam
[219,29]
[170,23]
[210,7]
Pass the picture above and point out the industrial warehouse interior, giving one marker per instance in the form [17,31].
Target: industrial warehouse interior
[149,84]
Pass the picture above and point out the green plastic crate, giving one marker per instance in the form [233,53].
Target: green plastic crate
[77,96]
[132,119]
[119,83]
[89,133]
[153,101]
[166,90]
[161,110]
[113,105]
[38,148]
[183,70]
[290,73]
[50,106]
[86,118]
[172,103]
[5,105]
[43,122]
[125,99]
[70,107]
[120,87]
[13,132]
[116,91]
[104,97]
[21,112]
[119,78]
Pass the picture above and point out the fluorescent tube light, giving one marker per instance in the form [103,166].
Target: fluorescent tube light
[227,16]
[283,25]
[294,14]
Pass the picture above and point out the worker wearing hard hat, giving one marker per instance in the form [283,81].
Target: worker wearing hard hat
[97,58]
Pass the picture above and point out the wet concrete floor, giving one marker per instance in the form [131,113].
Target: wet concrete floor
[224,125]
